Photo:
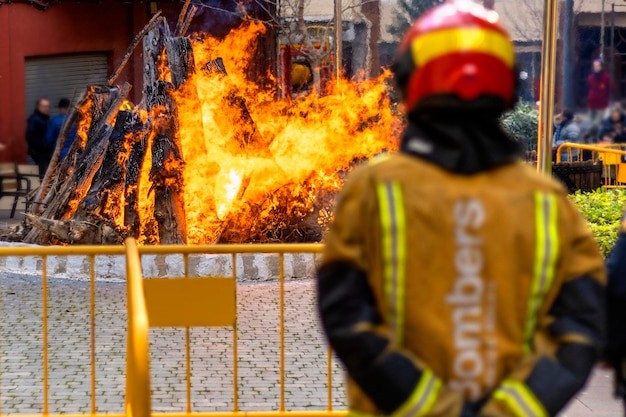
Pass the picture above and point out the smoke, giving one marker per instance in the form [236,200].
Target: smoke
[218,17]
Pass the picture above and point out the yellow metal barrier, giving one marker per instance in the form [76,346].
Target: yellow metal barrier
[613,157]
[137,401]
[137,383]
[44,252]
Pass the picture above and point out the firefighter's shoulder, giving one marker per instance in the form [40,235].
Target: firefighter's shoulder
[364,171]
[384,160]
[362,167]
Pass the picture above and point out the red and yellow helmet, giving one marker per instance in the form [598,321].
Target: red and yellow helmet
[457,48]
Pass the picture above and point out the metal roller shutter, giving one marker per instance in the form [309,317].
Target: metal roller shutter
[62,76]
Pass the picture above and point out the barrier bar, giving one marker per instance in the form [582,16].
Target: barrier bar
[44,312]
[187,343]
[580,146]
[281,277]
[329,370]
[92,313]
[225,249]
[235,354]
[303,413]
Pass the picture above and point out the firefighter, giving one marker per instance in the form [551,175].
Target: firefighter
[616,308]
[455,279]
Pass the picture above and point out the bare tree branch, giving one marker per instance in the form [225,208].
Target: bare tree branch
[187,22]
[156,19]
[181,18]
[526,18]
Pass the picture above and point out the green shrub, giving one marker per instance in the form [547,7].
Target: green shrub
[521,124]
[603,211]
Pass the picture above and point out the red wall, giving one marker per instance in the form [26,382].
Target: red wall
[63,28]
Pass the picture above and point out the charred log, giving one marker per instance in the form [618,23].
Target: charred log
[138,148]
[155,20]
[15,233]
[58,172]
[75,232]
[153,45]
[180,59]
[166,174]
[237,121]
[103,205]
[167,169]
[63,203]
[182,67]
[190,15]
[108,184]
[70,122]
[181,18]
[215,67]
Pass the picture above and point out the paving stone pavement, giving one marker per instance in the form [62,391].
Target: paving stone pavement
[21,363]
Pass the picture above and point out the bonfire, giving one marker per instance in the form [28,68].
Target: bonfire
[208,155]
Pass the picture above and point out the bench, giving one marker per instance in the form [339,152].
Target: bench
[14,184]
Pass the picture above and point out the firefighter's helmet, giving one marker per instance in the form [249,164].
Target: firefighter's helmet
[456,48]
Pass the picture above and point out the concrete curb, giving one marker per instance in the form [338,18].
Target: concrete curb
[250,267]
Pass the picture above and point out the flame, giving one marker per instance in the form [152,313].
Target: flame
[145,207]
[163,69]
[254,167]
[126,105]
[247,174]
[84,119]
[227,187]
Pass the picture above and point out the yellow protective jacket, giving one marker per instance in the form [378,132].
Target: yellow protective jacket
[460,295]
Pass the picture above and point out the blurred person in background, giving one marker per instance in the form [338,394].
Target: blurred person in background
[613,128]
[567,130]
[598,96]
[36,131]
[456,281]
[54,128]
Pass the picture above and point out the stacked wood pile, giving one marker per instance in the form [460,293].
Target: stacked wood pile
[91,196]
[94,195]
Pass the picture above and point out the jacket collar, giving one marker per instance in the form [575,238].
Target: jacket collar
[460,136]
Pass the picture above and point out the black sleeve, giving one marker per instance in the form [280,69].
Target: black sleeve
[578,326]
[616,301]
[615,353]
[348,314]
[349,317]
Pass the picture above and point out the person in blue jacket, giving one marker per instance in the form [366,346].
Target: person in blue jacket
[54,128]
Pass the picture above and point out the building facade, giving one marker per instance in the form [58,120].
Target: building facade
[56,49]
[50,53]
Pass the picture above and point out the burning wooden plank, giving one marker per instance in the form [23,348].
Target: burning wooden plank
[152,50]
[180,59]
[62,202]
[103,206]
[59,170]
[75,232]
[138,147]
[167,172]
[236,118]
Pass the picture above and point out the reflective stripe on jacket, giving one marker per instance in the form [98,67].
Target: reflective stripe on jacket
[445,294]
